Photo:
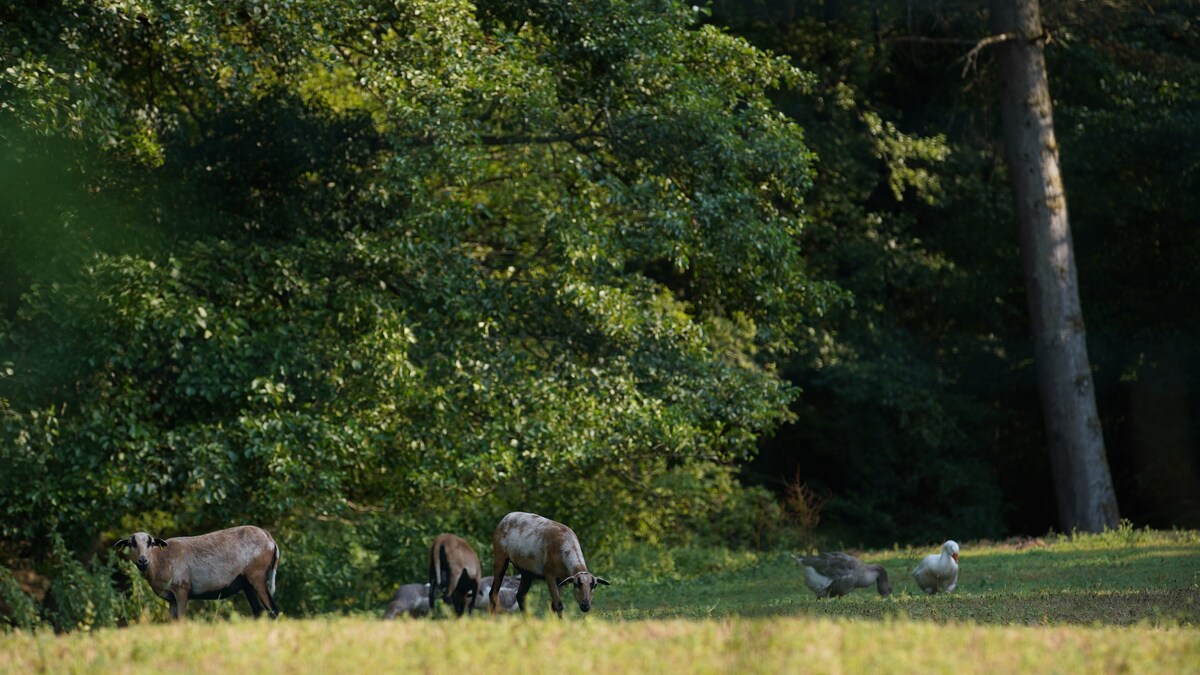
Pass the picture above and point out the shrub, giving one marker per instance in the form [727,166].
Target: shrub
[17,609]
[325,567]
[81,598]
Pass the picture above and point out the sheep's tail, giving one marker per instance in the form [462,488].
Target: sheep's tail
[274,567]
[435,573]
[444,572]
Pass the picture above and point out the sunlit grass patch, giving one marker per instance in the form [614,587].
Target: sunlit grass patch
[1121,577]
[356,645]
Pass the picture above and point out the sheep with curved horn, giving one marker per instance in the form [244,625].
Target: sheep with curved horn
[540,548]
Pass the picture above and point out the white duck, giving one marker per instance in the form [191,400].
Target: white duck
[831,575]
[939,572]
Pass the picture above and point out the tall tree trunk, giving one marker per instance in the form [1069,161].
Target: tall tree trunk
[1083,485]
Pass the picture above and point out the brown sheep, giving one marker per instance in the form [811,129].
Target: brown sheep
[540,548]
[454,570]
[208,567]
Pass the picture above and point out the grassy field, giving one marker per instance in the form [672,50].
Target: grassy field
[1118,578]
[1126,601]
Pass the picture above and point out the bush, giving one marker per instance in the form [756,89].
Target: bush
[17,609]
[326,567]
[734,516]
[655,564]
[81,598]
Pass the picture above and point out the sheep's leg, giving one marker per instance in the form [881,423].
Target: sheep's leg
[181,598]
[499,567]
[256,606]
[465,592]
[556,602]
[272,607]
[522,590]
[259,595]
[460,604]
[172,606]
[471,593]
[456,592]
[260,599]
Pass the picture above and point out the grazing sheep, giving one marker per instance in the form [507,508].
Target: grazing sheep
[508,594]
[939,572]
[454,570]
[410,598]
[834,574]
[208,567]
[540,548]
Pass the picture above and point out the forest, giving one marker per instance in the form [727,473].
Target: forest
[742,275]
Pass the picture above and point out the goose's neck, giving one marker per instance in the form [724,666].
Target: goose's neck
[870,574]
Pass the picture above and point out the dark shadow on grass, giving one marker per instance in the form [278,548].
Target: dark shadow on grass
[1121,608]
[1168,607]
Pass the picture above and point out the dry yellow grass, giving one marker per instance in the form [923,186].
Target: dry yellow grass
[529,646]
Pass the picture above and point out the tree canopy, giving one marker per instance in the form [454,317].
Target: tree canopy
[403,266]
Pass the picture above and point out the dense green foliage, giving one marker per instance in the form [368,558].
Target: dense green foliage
[361,272]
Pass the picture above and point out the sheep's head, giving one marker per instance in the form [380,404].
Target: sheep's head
[585,585]
[139,546]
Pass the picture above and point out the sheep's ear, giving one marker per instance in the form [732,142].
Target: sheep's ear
[122,543]
[158,542]
[602,581]
[566,581]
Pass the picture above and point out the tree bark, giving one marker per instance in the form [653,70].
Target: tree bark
[1083,485]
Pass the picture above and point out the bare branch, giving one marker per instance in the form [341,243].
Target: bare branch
[929,40]
[972,56]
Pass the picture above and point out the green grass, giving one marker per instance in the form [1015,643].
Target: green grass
[1119,578]
[1127,601]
